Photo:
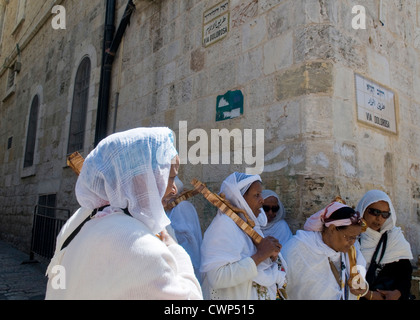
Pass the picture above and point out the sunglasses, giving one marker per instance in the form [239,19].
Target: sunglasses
[274,209]
[377,213]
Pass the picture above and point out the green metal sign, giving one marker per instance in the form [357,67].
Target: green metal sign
[230,105]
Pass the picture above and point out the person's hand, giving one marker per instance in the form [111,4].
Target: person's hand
[269,247]
[166,238]
[390,295]
[357,292]
[374,295]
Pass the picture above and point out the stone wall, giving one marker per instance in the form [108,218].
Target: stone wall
[294,62]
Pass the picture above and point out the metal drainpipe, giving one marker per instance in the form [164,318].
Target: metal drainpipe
[109,53]
[105,80]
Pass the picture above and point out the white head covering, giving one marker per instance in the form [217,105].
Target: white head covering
[234,187]
[374,196]
[281,214]
[397,246]
[126,170]
[317,221]
[129,170]
[277,227]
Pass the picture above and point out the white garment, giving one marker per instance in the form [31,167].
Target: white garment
[397,247]
[115,256]
[229,272]
[185,222]
[309,275]
[278,227]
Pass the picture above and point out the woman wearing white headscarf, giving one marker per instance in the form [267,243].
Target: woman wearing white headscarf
[392,279]
[317,257]
[233,267]
[116,253]
[187,229]
[276,226]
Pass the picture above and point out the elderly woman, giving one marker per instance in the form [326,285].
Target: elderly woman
[233,267]
[109,248]
[385,249]
[317,257]
[276,226]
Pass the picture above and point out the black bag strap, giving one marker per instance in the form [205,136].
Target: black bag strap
[371,272]
[383,241]
[76,231]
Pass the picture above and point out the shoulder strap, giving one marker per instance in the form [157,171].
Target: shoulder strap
[383,241]
[76,231]
[335,273]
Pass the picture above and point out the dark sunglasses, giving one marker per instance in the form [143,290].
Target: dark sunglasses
[272,208]
[377,213]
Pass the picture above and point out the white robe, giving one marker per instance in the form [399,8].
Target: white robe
[228,271]
[117,257]
[186,225]
[309,275]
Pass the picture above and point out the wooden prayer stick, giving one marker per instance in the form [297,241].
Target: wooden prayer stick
[182,197]
[75,161]
[227,208]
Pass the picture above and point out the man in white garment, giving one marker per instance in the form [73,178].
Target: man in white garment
[233,267]
[122,250]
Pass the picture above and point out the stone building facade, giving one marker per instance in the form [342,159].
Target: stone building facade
[289,80]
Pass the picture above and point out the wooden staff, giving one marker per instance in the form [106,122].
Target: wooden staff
[182,197]
[75,161]
[227,208]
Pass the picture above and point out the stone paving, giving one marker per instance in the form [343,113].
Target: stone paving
[20,281]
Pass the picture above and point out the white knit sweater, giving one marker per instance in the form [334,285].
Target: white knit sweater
[117,257]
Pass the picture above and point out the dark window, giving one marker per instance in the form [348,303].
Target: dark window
[9,143]
[11,78]
[31,136]
[47,204]
[79,107]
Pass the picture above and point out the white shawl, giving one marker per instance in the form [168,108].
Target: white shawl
[397,246]
[309,276]
[126,170]
[225,243]
[278,227]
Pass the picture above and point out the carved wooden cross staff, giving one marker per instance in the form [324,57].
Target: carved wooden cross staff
[227,208]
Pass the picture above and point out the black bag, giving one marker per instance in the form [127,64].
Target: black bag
[373,275]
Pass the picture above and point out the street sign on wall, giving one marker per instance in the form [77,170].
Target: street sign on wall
[375,104]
